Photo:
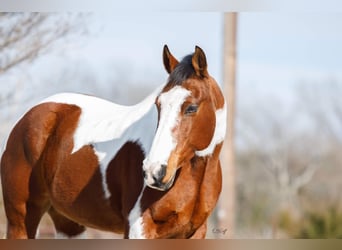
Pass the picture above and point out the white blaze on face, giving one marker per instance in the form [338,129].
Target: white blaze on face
[164,142]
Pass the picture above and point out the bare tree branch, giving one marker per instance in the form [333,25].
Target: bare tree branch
[21,29]
[25,36]
[304,178]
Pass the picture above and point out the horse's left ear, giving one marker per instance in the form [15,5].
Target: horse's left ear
[199,62]
[170,62]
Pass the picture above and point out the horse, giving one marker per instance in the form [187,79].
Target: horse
[146,171]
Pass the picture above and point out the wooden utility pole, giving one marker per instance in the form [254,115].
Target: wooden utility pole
[226,210]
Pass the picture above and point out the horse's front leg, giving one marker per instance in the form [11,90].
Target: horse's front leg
[144,227]
[174,226]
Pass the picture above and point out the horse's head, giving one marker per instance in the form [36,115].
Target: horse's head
[188,108]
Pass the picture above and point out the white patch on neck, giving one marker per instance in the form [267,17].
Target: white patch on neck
[102,120]
[163,142]
[219,134]
[135,220]
[108,126]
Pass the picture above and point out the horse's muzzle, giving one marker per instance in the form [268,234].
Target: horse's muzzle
[154,179]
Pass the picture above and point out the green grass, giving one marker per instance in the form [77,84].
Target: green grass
[314,224]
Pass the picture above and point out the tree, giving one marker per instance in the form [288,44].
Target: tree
[226,210]
[25,36]
[298,146]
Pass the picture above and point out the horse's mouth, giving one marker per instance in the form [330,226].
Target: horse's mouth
[162,186]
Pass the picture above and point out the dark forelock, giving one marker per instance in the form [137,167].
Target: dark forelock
[183,71]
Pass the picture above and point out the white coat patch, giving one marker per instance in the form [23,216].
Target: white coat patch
[136,227]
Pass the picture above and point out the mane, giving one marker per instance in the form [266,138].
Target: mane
[183,71]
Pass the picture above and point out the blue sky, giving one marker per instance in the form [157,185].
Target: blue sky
[304,41]
[308,40]
[276,50]
[139,38]
[280,50]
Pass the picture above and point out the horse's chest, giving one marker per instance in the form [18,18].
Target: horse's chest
[177,207]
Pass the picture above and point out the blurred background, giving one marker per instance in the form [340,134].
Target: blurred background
[281,74]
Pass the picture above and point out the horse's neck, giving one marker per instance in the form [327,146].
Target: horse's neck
[207,162]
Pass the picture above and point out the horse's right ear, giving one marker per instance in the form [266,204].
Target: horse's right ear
[170,62]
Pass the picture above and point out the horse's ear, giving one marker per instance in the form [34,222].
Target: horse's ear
[199,62]
[170,62]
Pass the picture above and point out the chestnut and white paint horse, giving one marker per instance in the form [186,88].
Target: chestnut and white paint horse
[151,170]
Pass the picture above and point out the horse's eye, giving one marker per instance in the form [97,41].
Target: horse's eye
[192,108]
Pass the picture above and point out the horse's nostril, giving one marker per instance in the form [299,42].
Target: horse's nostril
[162,171]
[156,180]
[144,174]
[158,177]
